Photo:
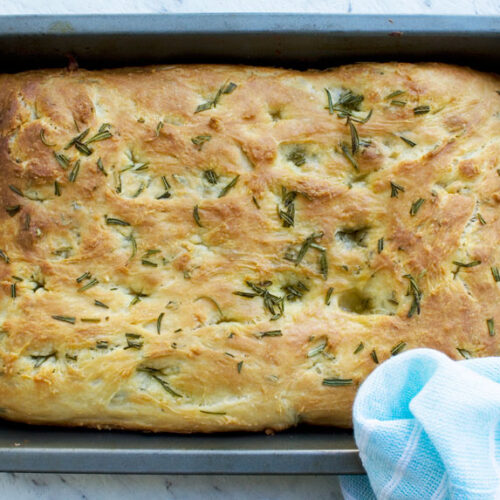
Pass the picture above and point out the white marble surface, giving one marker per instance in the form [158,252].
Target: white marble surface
[124,487]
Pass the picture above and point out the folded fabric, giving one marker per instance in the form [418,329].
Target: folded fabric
[428,427]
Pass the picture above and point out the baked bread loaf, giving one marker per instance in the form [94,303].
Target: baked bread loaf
[214,248]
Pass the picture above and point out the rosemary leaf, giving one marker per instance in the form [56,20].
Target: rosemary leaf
[158,322]
[62,159]
[394,94]
[465,353]
[199,140]
[491,326]
[421,110]
[196,216]
[226,189]
[74,172]
[348,155]
[337,382]
[328,296]
[13,290]
[84,276]
[317,350]
[380,245]
[43,139]
[41,358]
[113,221]
[374,356]
[13,210]
[354,138]
[358,349]
[270,333]
[98,303]
[88,285]
[239,366]
[4,256]
[100,166]
[398,348]
[16,190]
[407,141]
[496,273]
[415,206]
[66,319]
[148,263]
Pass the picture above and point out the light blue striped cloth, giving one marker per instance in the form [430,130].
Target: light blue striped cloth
[428,427]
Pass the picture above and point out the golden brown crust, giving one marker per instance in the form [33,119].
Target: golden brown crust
[209,368]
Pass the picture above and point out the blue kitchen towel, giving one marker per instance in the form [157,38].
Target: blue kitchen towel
[428,427]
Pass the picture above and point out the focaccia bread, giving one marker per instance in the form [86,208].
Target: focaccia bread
[215,248]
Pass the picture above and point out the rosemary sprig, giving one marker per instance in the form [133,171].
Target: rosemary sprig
[398,348]
[229,186]
[272,303]
[66,319]
[395,188]
[337,382]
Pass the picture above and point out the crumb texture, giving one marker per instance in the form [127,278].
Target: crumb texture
[214,248]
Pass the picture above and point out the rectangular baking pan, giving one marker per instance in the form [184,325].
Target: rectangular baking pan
[290,40]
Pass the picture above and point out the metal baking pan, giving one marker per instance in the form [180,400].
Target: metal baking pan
[291,40]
